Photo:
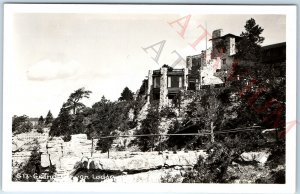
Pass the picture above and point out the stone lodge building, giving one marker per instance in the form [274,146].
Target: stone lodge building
[210,68]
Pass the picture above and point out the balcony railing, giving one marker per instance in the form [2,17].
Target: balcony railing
[176,72]
[174,90]
[156,72]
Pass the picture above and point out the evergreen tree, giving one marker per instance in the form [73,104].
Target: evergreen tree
[41,121]
[149,126]
[61,125]
[126,95]
[74,103]
[249,45]
[21,124]
[104,122]
[49,118]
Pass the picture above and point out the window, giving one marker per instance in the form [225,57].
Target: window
[175,81]
[224,61]
[156,82]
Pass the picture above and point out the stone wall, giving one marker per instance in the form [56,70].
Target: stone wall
[185,78]
[150,81]
[163,98]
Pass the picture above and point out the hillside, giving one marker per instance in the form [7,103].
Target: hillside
[85,154]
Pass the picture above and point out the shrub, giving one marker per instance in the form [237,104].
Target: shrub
[276,177]
[169,178]
[213,169]
[32,168]
[40,129]
[21,124]
[149,126]
[167,112]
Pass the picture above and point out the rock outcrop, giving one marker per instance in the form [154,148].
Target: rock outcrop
[155,176]
[78,157]
[143,161]
[259,157]
[271,135]
[23,144]
[66,154]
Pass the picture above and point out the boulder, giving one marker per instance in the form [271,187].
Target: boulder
[55,158]
[15,147]
[260,157]
[270,135]
[45,162]
[68,163]
[142,161]
[78,137]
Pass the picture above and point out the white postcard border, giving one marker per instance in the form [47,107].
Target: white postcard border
[289,11]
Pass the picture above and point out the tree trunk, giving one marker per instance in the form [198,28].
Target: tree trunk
[92,147]
[212,137]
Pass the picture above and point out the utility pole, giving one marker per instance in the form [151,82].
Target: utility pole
[205,37]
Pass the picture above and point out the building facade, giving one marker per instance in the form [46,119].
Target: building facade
[211,68]
[164,84]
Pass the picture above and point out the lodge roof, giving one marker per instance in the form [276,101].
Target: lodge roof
[271,46]
[225,36]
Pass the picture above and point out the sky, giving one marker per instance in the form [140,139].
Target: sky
[55,53]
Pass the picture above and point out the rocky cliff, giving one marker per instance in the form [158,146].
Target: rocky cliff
[79,154]
[77,160]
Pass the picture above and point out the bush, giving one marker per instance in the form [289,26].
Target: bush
[169,178]
[21,124]
[277,156]
[277,177]
[247,140]
[213,169]
[32,168]
[149,126]
[167,112]
[173,140]
[40,129]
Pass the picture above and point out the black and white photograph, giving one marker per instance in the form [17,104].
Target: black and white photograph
[171,95]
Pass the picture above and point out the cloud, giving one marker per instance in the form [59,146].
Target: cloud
[52,69]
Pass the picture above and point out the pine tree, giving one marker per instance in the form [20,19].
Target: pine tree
[149,126]
[49,118]
[61,125]
[249,45]
[126,95]
[74,103]
[41,121]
